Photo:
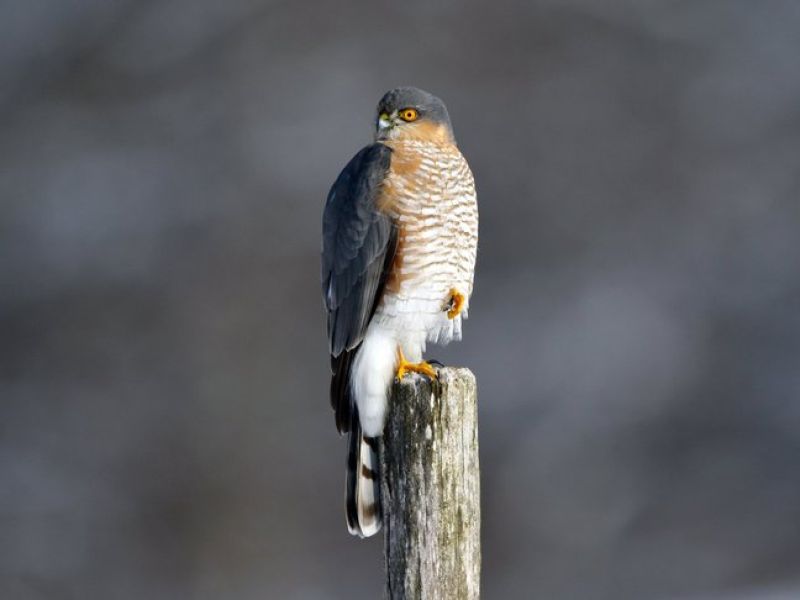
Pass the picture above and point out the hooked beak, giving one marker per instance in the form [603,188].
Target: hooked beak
[384,122]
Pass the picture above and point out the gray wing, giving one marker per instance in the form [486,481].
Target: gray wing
[357,249]
[358,246]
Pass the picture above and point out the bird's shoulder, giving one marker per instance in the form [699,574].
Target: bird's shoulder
[362,175]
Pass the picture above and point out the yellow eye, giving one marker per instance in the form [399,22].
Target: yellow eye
[409,114]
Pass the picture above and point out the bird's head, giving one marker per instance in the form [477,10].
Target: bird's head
[412,113]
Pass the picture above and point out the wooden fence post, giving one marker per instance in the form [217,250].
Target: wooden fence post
[430,481]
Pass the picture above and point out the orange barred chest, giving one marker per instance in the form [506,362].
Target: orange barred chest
[430,193]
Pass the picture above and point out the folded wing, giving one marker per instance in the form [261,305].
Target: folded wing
[359,242]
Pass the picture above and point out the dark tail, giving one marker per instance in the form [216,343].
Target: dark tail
[362,485]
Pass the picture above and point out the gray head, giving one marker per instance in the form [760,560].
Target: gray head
[409,112]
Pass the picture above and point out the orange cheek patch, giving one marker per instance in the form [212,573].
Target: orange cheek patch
[429,132]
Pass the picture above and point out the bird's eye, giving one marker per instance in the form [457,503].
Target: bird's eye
[409,114]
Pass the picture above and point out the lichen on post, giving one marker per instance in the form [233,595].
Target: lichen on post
[430,482]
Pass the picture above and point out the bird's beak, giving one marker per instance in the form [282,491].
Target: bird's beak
[384,122]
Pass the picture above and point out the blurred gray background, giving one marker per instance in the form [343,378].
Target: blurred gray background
[164,423]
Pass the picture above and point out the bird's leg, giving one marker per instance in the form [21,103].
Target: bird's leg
[455,304]
[403,367]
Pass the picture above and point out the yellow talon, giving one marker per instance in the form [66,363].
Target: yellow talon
[456,304]
[403,367]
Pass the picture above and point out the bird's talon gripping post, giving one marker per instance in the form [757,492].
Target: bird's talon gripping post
[404,367]
[456,304]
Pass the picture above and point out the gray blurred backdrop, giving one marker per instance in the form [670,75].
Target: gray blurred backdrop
[164,423]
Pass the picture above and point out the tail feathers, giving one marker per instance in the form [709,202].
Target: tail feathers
[362,491]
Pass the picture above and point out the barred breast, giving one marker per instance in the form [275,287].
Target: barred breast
[430,192]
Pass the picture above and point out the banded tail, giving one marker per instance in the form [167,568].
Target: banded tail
[362,485]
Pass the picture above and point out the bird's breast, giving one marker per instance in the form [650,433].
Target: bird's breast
[430,193]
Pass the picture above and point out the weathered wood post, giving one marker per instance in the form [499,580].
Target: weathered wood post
[430,481]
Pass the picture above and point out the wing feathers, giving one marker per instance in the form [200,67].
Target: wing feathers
[358,246]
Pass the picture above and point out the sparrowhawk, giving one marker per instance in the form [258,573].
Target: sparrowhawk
[400,236]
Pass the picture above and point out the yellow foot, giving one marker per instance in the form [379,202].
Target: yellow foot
[403,367]
[455,304]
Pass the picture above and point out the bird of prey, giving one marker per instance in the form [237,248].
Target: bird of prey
[400,236]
